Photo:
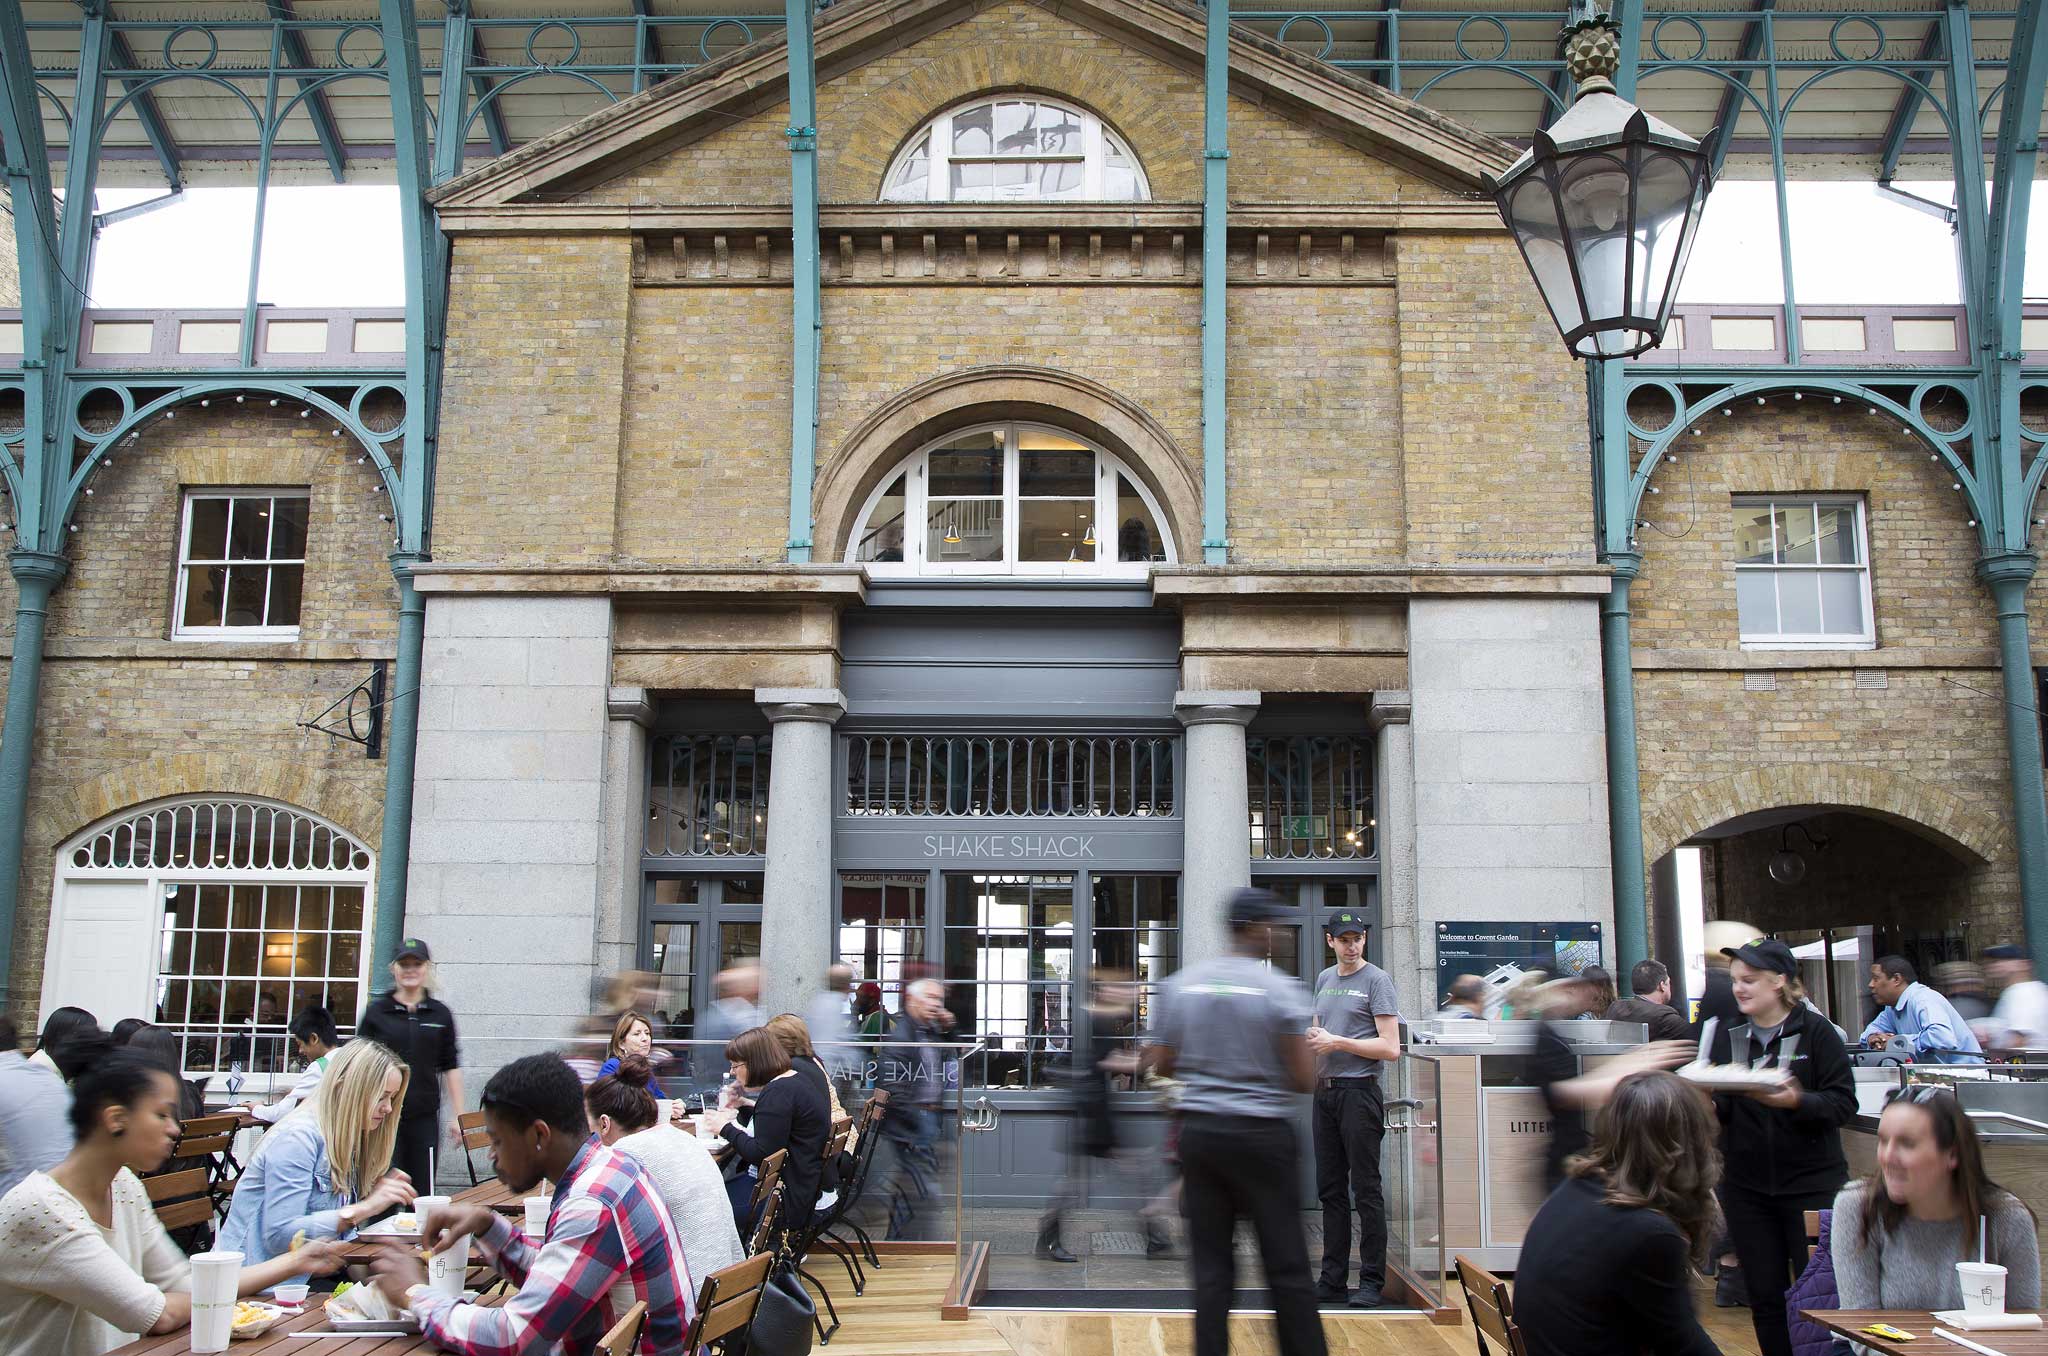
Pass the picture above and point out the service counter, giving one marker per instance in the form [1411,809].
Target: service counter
[2007,1103]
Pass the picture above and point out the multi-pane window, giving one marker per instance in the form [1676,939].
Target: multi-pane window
[881,926]
[240,960]
[1802,572]
[1135,930]
[241,564]
[1017,148]
[1010,971]
[1011,499]
[1310,797]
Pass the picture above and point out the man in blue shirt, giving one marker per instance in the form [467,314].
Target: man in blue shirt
[1915,1021]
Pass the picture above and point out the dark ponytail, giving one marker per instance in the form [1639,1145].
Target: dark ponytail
[623,1095]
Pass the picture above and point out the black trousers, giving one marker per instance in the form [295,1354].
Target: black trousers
[1246,1167]
[417,1136]
[1350,1121]
[1769,1233]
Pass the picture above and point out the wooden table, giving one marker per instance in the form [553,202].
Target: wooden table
[279,1341]
[1850,1323]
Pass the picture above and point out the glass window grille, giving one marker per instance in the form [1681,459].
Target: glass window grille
[708,796]
[1009,967]
[1123,776]
[1311,797]
[1802,573]
[1134,930]
[881,926]
[1015,149]
[241,565]
[1011,499]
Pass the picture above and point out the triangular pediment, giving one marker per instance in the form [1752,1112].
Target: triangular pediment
[1272,80]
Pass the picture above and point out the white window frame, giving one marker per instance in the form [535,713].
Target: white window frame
[1867,639]
[224,632]
[1093,158]
[914,473]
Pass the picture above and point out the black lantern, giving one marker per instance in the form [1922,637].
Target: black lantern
[1605,205]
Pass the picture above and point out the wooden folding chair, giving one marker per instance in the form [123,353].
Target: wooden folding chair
[1812,1233]
[213,1137]
[474,1137]
[183,1200]
[726,1303]
[762,1244]
[625,1334]
[769,1172]
[1493,1313]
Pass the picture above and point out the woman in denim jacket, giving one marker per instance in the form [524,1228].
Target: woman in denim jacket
[326,1168]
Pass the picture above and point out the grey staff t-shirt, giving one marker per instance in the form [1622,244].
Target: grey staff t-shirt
[1346,1006]
[1224,1018]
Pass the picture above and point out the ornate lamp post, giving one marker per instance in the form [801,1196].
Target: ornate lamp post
[1605,205]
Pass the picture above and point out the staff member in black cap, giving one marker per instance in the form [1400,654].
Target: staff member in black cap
[1781,1146]
[1357,1025]
[1230,1029]
[421,1030]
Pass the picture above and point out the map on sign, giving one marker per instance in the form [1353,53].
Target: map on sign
[1501,953]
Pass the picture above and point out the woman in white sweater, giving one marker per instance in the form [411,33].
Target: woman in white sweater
[624,1115]
[84,1265]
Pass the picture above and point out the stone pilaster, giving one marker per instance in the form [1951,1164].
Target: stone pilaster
[796,907]
[1216,814]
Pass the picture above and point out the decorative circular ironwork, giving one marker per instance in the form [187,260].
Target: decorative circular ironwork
[183,30]
[100,410]
[1699,34]
[1663,400]
[1876,37]
[2037,432]
[704,38]
[364,395]
[575,46]
[1941,394]
[1464,54]
[1329,35]
[341,46]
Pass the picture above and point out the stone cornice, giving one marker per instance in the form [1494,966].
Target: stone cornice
[773,218]
[835,584]
[1176,585]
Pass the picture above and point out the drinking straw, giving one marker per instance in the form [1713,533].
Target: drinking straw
[1982,1222]
[431,1179]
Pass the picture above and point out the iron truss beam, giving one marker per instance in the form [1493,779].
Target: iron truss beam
[151,117]
[1749,50]
[1900,125]
[322,117]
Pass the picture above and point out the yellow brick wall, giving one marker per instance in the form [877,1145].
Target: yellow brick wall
[865,117]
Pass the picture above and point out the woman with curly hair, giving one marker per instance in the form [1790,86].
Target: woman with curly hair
[1606,1266]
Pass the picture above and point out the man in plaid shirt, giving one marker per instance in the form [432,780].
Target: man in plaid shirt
[608,1230]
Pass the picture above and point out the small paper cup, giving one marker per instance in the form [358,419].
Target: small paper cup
[1983,1285]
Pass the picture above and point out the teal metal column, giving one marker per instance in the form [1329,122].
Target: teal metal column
[36,574]
[1615,513]
[1215,303]
[804,319]
[2008,575]
[426,263]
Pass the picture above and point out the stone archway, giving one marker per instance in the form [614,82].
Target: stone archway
[977,394]
[65,813]
[1972,832]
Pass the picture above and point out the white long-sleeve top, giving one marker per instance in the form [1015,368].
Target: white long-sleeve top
[302,1091]
[69,1287]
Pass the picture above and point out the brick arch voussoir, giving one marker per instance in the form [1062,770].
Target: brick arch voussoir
[1971,832]
[1170,151]
[894,430]
[227,775]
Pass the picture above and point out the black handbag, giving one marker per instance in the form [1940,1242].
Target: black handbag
[786,1319]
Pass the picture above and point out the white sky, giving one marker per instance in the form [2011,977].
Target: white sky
[339,246]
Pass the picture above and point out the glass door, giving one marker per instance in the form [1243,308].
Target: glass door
[693,929]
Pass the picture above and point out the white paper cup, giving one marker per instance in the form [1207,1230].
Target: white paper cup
[1983,1286]
[423,1206]
[216,1281]
[445,1270]
[537,1215]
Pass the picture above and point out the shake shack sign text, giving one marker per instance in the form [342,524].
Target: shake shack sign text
[1010,847]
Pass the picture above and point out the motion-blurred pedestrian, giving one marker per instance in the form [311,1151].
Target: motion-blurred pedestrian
[2020,1021]
[1095,1142]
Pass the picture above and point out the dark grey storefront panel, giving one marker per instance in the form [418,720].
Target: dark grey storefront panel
[1006,845]
[1010,669]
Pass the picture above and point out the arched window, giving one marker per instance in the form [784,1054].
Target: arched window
[1018,148]
[220,919]
[1011,499]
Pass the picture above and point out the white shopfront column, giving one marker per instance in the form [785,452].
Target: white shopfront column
[796,897]
[1401,945]
[629,716]
[1216,815]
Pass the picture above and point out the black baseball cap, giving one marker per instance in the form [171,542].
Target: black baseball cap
[1253,905]
[1765,953]
[2005,951]
[412,948]
[1343,921]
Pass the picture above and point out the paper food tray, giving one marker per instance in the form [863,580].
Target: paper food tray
[1969,1322]
[1733,1077]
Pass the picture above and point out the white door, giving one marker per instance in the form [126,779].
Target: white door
[102,954]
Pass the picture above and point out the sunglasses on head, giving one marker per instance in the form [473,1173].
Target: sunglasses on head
[1918,1093]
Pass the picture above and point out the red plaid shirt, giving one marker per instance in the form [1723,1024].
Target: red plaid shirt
[608,1225]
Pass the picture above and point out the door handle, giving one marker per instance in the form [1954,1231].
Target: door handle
[980,1118]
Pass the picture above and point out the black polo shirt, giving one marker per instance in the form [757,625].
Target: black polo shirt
[424,1037]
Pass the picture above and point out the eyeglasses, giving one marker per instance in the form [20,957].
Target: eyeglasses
[1918,1093]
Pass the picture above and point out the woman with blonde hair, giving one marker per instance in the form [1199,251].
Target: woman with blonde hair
[795,1035]
[1607,1263]
[632,1035]
[325,1170]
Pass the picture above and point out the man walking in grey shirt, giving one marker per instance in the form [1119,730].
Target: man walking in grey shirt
[1231,1030]
[1357,1025]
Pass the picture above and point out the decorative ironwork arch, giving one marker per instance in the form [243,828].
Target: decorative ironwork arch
[201,833]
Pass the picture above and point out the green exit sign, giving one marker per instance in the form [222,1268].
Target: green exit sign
[1304,826]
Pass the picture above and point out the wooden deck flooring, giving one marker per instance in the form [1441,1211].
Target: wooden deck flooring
[900,1314]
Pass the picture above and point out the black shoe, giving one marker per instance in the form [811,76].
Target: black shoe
[1729,1290]
[1326,1293]
[1158,1242]
[1366,1297]
[1050,1249]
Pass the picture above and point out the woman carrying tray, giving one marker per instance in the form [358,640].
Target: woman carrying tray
[1781,1136]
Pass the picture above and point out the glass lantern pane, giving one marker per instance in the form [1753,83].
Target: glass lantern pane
[1594,191]
[1532,214]
[1664,193]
